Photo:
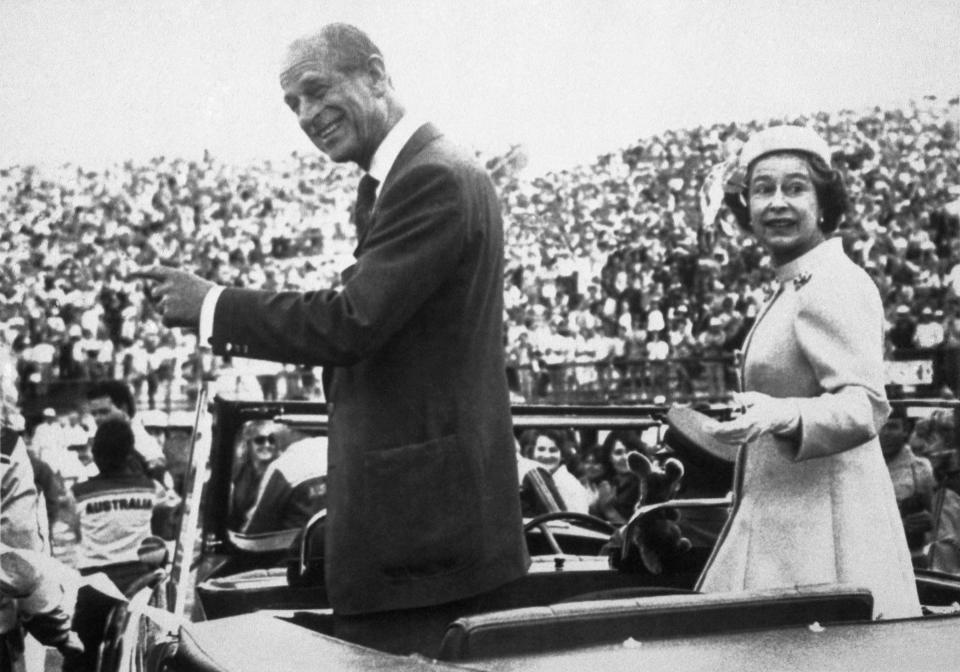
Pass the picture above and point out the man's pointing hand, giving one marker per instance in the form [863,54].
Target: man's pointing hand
[179,294]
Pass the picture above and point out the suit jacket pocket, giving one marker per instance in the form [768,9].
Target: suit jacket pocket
[422,502]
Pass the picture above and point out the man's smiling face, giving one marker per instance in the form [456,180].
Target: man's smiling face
[343,114]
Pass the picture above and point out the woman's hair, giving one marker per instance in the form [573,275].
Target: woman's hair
[528,439]
[252,427]
[118,392]
[828,183]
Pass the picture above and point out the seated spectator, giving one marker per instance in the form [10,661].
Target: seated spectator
[258,448]
[591,473]
[913,482]
[116,506]
[546,447]
[116,509]
[944,552]
[933,439]
[538,493]
[617,489]
[293,488]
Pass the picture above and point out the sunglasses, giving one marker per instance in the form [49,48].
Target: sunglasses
[261,440]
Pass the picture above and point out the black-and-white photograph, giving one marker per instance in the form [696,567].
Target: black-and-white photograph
[506,335]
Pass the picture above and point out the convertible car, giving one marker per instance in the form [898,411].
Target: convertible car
[231,600]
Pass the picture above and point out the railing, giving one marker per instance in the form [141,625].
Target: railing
[675,380]
[680,379]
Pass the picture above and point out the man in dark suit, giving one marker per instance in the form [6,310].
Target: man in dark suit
[423,504]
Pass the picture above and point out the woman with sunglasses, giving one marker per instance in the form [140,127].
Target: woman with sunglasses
[257,450]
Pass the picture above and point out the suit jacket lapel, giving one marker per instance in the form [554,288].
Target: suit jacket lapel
[421,137]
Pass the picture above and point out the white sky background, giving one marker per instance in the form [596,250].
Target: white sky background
[93,82]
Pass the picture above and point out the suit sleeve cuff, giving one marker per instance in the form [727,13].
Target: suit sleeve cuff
[207,311]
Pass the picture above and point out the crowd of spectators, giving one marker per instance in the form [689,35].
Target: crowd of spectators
[624,261]
[624,279]
[628,258]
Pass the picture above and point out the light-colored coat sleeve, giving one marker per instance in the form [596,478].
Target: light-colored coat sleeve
[839,329]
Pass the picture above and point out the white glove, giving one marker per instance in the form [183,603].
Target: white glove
[762,414]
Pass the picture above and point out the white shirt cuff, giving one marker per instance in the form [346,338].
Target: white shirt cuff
[207,310]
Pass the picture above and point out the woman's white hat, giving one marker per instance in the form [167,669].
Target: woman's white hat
[784,138]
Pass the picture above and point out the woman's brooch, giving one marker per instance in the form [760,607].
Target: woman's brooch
[801,279]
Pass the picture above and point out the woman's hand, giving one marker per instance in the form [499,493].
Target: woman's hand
[605,495]
[760,414]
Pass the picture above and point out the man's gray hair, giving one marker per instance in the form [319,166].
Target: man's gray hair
[351,46]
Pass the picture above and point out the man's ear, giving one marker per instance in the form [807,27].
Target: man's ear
[377,72]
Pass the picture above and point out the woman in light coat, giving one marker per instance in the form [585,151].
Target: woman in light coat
[814,501]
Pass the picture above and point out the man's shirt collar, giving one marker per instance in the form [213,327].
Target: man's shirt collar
[388,151]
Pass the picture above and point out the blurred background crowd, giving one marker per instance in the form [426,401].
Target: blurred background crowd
[625,279]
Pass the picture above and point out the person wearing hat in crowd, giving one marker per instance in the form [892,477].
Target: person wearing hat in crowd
[155,422]
[814,500]
[421,454]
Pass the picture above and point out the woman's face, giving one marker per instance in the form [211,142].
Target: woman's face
[263,446]
[784,210]
[547,453]
[618,458]
[592,469]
